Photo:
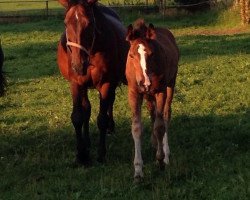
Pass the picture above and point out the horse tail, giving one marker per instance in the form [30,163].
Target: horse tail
[2,76]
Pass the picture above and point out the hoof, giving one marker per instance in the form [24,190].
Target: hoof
[161,165]
[138,179]
[83,160]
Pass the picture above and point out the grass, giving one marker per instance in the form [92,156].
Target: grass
[209,138]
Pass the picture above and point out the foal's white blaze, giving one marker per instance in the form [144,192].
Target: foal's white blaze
[142,52]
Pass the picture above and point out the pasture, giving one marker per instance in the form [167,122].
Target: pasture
[209,132]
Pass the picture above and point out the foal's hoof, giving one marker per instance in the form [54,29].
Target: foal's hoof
[138,179]
[161,164]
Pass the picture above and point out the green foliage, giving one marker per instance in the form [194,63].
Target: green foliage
[209,133]
[187,2]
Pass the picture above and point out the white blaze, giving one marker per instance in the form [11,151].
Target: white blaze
[142,52]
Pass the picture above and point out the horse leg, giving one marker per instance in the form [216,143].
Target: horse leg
[111,123]
[135,101]
[86,116]
[79,117]
[167,118]
[151,109]
[103,118]
[159,127]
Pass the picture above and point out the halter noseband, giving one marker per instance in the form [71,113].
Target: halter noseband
[73,44]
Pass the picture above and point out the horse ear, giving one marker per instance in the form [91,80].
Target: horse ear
[129,36]
[64,3]
[151,32]
[91,2]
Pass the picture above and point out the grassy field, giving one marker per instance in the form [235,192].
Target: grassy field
[209,133]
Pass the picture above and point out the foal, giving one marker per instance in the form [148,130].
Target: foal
[151,71]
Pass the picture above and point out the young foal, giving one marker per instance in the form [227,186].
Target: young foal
[91,54]
[151,73]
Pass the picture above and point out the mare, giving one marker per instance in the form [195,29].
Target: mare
[151,72]
[92,54]
[2,77]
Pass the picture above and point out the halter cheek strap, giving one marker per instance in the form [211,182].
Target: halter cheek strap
[73,44]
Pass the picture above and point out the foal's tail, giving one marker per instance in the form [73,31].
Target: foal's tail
[2,77]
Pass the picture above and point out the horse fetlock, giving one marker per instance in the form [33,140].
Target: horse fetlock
[166,159]
[160,154]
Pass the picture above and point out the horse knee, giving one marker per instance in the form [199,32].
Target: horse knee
[77,118]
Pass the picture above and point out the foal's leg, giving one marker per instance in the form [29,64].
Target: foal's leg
[135,101]
[79,117]
[159,127]
[151,109]
[111,123]
[167,118]
[106,99]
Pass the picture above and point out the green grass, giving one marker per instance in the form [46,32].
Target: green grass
[209,133]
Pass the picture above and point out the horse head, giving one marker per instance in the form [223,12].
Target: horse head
[141,53]
[80,32]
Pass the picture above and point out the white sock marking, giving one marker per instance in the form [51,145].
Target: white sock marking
[166,148]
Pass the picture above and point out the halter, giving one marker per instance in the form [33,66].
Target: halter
[73,44]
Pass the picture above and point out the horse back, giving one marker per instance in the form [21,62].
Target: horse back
[170,52]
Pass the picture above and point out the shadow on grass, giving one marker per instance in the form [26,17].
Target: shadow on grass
[194,141]
[203,46]
[206,151]
[30,61]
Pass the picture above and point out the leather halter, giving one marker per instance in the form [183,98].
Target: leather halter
[73,44]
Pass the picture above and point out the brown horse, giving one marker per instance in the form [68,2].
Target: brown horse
[92,54]
[151,73]
[2,77]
